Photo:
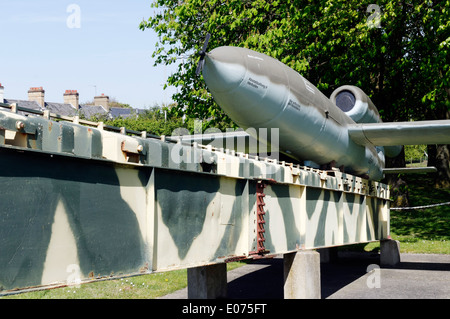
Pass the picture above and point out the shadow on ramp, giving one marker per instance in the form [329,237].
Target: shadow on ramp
[263,279]
[267,281]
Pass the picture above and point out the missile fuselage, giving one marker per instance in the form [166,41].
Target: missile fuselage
[258,91]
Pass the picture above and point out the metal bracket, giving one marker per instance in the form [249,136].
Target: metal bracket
[260,248]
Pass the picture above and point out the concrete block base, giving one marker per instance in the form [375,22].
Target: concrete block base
[302,275]
[389,253]
[207,282]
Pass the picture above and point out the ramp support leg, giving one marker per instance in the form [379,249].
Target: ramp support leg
[389,252]
[302,275]
[328,255]
[207,282]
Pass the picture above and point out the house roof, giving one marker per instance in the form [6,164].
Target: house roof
[88,111]
[92,110]
[120,112]
[61,108]
[57,108]
[124,112]
[24,103]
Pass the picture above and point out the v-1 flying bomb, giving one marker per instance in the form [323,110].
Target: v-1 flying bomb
[258,91]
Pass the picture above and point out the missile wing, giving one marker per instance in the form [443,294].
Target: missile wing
[239,141]
[370,129]
[257,91]
[401,133]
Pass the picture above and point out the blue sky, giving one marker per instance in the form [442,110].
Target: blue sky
[107,53]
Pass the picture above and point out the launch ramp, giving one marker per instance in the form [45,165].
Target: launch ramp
[91,202]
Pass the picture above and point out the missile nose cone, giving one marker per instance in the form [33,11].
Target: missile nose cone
[224,69]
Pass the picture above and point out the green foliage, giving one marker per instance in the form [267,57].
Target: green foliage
[423,230]
[415,153]
[157,121]
[161,121]
[403,65]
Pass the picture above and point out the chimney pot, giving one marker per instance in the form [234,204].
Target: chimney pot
[37,94]
[102,100]
[72,97]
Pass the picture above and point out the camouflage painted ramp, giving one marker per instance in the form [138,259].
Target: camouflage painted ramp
[84,201]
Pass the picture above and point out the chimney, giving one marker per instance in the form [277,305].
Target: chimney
[2,90]
[102,100]
[72,97]
[37,94]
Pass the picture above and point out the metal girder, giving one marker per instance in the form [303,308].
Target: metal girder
[109,204]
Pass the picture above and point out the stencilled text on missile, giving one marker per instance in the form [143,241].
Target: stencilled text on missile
[256,84]
[294,104]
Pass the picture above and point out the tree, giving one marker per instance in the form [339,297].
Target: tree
[401,61]
[156,120]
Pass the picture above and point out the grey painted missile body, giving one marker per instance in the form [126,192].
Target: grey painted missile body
[257,91]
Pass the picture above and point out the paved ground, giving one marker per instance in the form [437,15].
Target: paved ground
[418,276]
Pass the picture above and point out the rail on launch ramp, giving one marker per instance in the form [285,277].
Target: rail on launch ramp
[103,202]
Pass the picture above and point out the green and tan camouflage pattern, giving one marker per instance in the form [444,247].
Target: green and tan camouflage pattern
[82,201]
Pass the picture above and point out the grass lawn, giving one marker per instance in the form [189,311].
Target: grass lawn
[423,230]
[419,231]
[138,287]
